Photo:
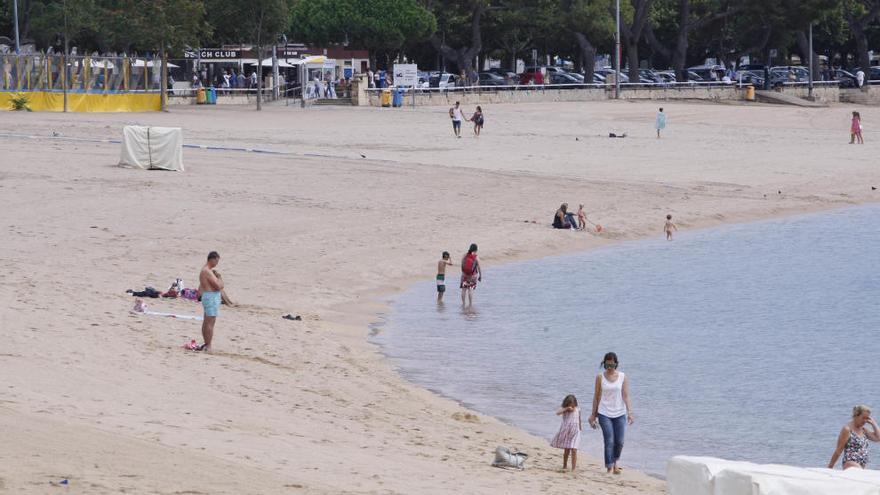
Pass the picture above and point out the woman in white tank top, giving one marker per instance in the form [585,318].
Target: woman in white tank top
[612,409]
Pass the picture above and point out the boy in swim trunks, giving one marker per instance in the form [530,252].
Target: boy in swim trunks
[441,275]
[210,287]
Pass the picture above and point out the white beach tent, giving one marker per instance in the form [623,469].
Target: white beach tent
[710,476]
[152,148]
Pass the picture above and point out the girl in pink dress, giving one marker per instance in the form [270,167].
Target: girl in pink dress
[855,130]
[569,435]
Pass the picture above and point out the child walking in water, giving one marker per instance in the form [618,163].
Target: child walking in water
[477,119]
[441,275]
[569,435]
[582,218]
[669,227]
[855,129]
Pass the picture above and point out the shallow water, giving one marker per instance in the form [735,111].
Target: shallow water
[745,342]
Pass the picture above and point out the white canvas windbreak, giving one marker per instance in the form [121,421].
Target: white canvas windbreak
[711,476]
[152,148]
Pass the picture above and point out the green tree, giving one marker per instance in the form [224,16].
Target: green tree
[859,14]
[590,23]
[690,15]
[159,25]
[517,25]
[258,21]
[461,36]
[375,25]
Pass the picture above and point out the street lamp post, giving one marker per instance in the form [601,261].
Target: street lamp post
[617,55]
[811,62]
[15,17]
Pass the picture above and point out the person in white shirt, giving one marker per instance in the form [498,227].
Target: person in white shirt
[456,116]
[612,410]
[860,77]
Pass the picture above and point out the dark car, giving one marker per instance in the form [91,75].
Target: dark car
[491,79]
[563,78]
[845,79]
[872,74]
[508,75]
[649,76]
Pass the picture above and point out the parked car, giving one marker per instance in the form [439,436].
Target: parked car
[442,80]
[563,78]
[845,79]
[491,79]
[872,74]
[789,73]
[529,76]
[668,76]
[649,76]
[508,75]
[605,71]
[708,72]
[753,77]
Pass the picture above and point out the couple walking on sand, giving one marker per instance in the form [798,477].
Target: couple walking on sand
[455,113]
[470,275]
[611,411]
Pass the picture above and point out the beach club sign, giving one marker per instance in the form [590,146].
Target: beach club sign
[213,54]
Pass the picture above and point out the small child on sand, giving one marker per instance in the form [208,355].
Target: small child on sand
[855,129]
[582,218]
[660,122]
[669,227]
[569,435]
[441,275]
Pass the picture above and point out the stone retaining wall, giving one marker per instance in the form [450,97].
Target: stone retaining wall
[485,97]
[821,94]
[869,95]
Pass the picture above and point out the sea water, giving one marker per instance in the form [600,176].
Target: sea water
[746,342]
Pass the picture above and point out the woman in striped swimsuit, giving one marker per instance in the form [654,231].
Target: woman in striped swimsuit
[853,439]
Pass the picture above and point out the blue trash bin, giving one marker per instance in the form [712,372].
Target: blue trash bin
[212,96]
[397,101]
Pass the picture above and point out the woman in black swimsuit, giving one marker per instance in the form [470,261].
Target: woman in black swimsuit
[853,439]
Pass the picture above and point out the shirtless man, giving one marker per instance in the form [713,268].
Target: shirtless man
[210,286]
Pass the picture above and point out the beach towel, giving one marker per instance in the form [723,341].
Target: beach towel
[506,458]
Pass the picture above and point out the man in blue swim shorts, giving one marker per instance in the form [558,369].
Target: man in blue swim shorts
[209,287]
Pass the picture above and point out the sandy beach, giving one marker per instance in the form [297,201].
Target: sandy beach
[357,204]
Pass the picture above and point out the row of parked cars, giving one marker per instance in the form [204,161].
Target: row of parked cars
[748,74]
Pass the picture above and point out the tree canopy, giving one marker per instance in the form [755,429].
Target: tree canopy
[659,33]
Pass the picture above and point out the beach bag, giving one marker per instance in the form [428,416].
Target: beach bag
[506,458]
[469,265]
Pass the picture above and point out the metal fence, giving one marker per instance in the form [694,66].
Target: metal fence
[79,74]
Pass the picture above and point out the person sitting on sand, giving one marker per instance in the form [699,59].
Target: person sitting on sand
[563,219]
[470,275]
[853,439]
[210,287]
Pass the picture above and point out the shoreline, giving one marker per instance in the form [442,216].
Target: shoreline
[384,315]
[315,404]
